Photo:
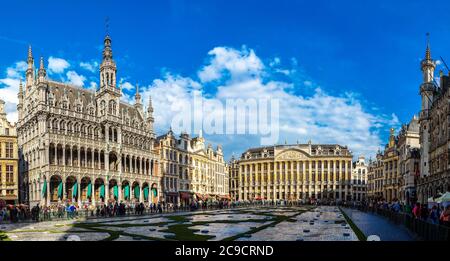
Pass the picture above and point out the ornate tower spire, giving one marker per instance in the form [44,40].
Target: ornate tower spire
[428,64]
[137,96]
[150,106]
[392,138]
[108,69]
[42,73]
[20,97]
[150,118]
[30,68]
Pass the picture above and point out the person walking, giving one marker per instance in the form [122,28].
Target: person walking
[416,211]
[434,217]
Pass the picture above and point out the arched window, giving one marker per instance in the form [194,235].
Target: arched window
[102,107]
[112,107]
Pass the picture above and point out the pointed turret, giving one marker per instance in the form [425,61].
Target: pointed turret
[20,97]
[30,69]
[42,73]
[428,64]
[137,96]
[108,68]
[150,118]
[392,138]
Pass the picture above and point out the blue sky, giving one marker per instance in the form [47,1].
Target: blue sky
[346,62]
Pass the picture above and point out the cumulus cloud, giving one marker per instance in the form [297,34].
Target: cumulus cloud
[57,65]
[9,87]
[234,63]
[75,78]
[320,116]
[90,66]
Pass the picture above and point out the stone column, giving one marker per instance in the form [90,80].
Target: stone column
[79,192]
[56,154]
[310,186]
[107,191]
[120,192]
[141,196]
[48,191]
[79,157]
[322,178]
[64,190]
[64,154]
[245,182]
[275,180]
[93,193]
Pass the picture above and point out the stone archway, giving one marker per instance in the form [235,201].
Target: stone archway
[86,189]
[126,190]
[135,193]
[99,189]
[56,188]
[154,193]
[113,190]
[146,192]
[72,188]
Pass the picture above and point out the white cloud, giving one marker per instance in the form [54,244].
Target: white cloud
[321,117]
[57,65]
[237,63]
[90,66]
[9,87]
[75,79]
[127,86]
[17,70]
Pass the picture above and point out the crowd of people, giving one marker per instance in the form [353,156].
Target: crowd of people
[435,214]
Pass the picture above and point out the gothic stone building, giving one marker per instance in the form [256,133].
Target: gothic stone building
[296,172]
[84,146]
[190,170]
[434,132]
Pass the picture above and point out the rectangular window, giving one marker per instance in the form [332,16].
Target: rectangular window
[9,173]
[9,150]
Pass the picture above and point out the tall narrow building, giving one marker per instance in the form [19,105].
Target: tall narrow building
[9,178]
[427,89]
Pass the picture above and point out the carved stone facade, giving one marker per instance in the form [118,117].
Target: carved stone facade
[434,132]
[191,171]
[295,172]
[409,160]
[84,146]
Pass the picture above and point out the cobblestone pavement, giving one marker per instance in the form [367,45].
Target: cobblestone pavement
[372,224]
[324,223]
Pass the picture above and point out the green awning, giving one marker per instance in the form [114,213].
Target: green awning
[44,189]
[60,190]
[116,192]
[127,192]
[154,192]
[102,191]
[89,190]
[75,190]
[146,189]
[136,192]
